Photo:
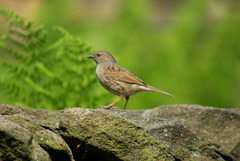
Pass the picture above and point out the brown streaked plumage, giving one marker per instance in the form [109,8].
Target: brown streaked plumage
[118,80]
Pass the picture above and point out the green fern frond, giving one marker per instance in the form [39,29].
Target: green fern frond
[39,74]
[8,14]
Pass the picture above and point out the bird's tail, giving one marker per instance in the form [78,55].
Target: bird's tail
[158,90]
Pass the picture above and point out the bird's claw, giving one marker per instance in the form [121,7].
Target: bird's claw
[108,107]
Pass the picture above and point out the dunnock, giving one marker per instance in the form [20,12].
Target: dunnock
[118,80]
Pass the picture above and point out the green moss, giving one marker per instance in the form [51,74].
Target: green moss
[12,149]
[115,135]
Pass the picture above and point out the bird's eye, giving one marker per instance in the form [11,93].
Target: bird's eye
[98,55]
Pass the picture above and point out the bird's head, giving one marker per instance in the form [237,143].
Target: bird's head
[102,58]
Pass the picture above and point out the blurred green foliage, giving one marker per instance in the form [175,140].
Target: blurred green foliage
[38,74]
[196,56]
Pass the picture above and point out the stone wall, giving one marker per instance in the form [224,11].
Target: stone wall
[174,132]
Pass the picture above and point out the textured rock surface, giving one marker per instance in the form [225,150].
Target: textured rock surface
[17,142]
[174,132]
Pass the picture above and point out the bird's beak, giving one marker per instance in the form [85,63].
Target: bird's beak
[89,56]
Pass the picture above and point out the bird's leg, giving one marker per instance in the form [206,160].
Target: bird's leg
[127,98]
[109,106]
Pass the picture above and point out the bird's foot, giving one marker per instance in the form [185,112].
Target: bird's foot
[115,107]
[107,107]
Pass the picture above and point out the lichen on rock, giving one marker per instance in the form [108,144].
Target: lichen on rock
[174,132]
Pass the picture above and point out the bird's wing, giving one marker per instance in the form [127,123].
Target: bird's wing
[121,74]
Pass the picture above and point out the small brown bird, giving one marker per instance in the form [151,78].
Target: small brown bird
[118,80]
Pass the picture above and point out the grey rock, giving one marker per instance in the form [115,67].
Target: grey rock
[174,132]
[235,153]
[90,134]
[16,143]
[214,126]
[178,140]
